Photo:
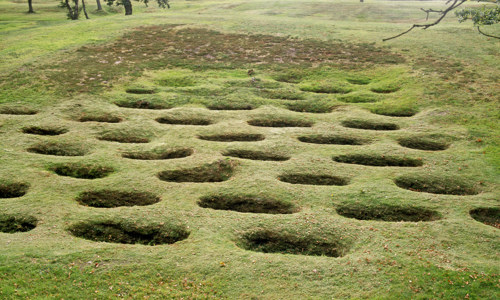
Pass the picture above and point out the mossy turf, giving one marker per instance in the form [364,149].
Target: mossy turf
[278,218]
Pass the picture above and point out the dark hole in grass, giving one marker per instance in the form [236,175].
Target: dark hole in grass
[143,104]
[217,171]
[81,170]
[388,213]
[281,94]
[44,130]
[395,111]
[141,91]
[102,117]
[112,231]
[17,223]
[58,149]
[423,143]
[359,98]
[313,179]
[310,106]
[247,204]
[280,122]
[115,198]
[378,160]
[230,106]
[13,189]
[332,139]
[17,110]
[233,137]
[274,241]
[157,154]
[184,121]
[385,89]
[255,155]
[291,76]
[123,137]
[487,215]
[370,125]
[436,185]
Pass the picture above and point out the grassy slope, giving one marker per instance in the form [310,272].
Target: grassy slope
[453,80]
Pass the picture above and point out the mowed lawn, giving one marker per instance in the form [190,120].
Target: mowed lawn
[247,150]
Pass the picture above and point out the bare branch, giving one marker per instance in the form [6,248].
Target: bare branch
[455,4]
[485,34]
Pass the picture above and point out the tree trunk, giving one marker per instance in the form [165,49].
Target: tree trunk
[99,7]
[30,7]
[361,1]
[85,10]
[128,7]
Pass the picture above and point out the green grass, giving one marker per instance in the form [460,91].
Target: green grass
[187,153]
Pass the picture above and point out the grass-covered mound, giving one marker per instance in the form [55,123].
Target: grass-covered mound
[128,232]
[487,215]
[125,136]
[333,139]
[325,87]
[81,170]
[379,160]
[281,94]
[10,189]
[16,223]
[102,117]
[143,103]
[114,198]
[255,155]
[286,241]
[360,97]
[369,125]
[218,171]
[44,130]
[17,110]
[58,149]
[247,204]
[388,213]
[313,179]
[159,153]
[436,184]
[315,106]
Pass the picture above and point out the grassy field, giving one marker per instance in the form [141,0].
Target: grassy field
[247,150]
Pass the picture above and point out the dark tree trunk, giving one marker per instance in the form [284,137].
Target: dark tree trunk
[72,12]
[99,7]
[30,7]
[85,10]
[361,1]
[128,7]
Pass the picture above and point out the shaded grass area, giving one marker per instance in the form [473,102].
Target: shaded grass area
[159,153]
[388,213]
[178,120]
[333,139]
[369,125]
[44,130]
[280,122]
[17,110]
[255,155]
[233,137]
[100,117]
[425,142]
[435,184]
[115,198]
[487,215]
[247,204]
[9,189]
[81,170]
[379,160]
[16,223]
[143,103]
[217,171]
[125,136]
[313,179]
[58,149]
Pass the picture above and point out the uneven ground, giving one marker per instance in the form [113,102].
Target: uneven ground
[247,150]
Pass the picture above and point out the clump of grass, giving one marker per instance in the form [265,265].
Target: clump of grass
[311,106]
[81,170]
[255,155]
[103,117]
[386,87]
[436,184]
[281,240]
[281,94]
[44,130]
[397,110]
[388,213]
[233,137]
[332,139]
[10,189]
[424,142]
[125,136]
[115,198]
[218,171]
[291,76]
[358,79]
[379,160]
[141,90]
[313,179]
[360,97]
[58,149]
[17,223]
[325,87]
[159,153]
[125,232]
[247,204]
[369,125]
[17,110]
[178,120]
[487,215]
[277,121]
[143,103]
